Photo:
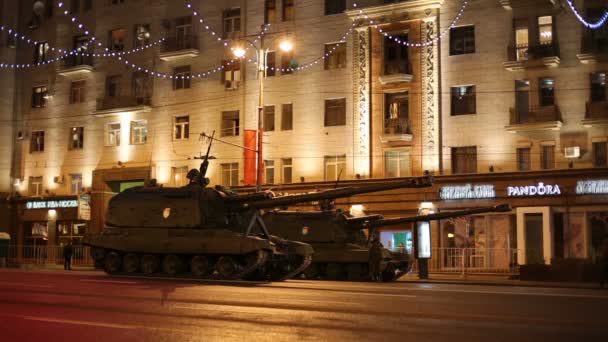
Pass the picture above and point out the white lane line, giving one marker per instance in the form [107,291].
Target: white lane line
[540,294]
[108,281]
[24,284]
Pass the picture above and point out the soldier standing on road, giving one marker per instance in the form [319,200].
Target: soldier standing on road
[375,259]
[604,264]
[67,256]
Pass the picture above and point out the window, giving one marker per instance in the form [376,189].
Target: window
[88,5]
[77,91]
[464,159]
[335,167]
[231,75]
[39,95]
[286,117]
[268,118]
[397,164]
[37,142]
[522,40]
[462,40]
[50,4]
[179,176]
[334,6]
[523,159]
[396,56]
[76,138]
[396,113]
[547,92]
[271,63]
[269,171]
[141,35]
[599,154]
[270,11]
[289,10]
[139,132]
[598,87]
[181,77]
[40,51]
[230,174]
[74,6]
[337,56]
[75,184]
[117,39]
[113,137]
[230,124]
[113,86]
[547,157]
[545,30]
[286,170]
[181,127]
[463,100]
[35,186]
[183,33]
[118,2]
[286,62]
[335,112]
[232,20]
[141,87]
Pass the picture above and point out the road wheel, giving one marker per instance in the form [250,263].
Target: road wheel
[112,262]
[98,253]
[149,264]
[227,267]
[200,266]
[130,263]
[334,272]
[312,271]
[354,272]
[172,264]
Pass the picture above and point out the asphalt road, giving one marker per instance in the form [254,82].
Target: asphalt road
[89,306]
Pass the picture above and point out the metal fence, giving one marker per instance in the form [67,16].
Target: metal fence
[473,260]
[53,255]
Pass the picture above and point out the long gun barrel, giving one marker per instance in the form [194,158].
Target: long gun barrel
[438,216]
[414,182]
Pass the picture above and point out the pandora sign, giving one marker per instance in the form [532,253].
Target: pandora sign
[541,189]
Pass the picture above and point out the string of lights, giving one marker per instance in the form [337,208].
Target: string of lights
[18,36]
[592,25]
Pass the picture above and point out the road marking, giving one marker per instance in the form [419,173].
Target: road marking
[541,294]
[108,281]
[24,284]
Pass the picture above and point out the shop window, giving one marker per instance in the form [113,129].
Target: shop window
[396,113]
[117,39]
[271,64]
[287,64]
[547,157]
[230,124]
[523,159]
[141,35]
[287,170]
[232,20]
[397,163]
[37,142]
[462,40]
[35,186]
[287,117]
[335,168]
[113,86]
[113,134]
[464,100]
[270,11]
[336,53]
[70,232]
[464,159]
[334,6]
[335,112]
[599,154]
[40,52]
[230,174]
[76,138]
[269,171]
[396,55]
[181,77]
[181,127]
[289,10]
[268,118]
[76,184]
[547,92]
[139,132]
[39,95]
[77,91]
[179,176]
[598,87]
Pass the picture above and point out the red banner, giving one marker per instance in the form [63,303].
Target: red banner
[250,156]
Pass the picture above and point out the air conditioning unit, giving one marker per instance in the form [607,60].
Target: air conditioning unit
[232,79]
[58,179]
[572,152]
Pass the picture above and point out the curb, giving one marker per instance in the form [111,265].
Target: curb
[490,283]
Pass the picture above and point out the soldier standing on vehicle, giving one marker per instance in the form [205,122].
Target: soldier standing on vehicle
[67,256]
[375,259]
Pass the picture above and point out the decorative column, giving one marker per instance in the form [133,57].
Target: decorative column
[431,146]
[362,102]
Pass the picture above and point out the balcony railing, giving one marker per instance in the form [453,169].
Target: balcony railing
[110,104]
[525,52]
[77,61]
[597,110]
[397,126]
[544,116]
[397,67]
[175,44]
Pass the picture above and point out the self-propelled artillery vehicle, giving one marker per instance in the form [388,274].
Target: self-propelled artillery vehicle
[342,241]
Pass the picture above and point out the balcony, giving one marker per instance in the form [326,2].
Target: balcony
[397,72]
[596,114]
[396,130]
[525,56]
[76,65]
[115,105]
[535,119]
[176,48]
[593,50]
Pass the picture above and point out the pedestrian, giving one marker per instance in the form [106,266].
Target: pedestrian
[604,263]
[375,260]
[67,256]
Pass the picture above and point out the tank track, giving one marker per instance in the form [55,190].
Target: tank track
[305,263]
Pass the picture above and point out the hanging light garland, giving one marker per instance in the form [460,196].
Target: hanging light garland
[18,36]
[592,25]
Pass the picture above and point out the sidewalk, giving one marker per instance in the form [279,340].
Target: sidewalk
[492,280]
[50,267]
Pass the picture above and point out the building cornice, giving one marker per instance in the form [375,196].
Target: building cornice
[397,8]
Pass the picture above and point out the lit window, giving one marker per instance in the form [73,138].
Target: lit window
[287,170]
[178,175]
[335,168]
[337,56]
[181,127]
[75,184]
[139,132]
[523,159]
[396,113]
[39,95]
[547,92]
[35,186]
[545,30]
[463,100]
[76,138]
[181,77]
[41,49]
[37,142]
[141,35]
[269,171]
[397,163]
[230,174]
[117,39]
[113,138]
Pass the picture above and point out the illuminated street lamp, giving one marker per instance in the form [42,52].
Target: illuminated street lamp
[262,61]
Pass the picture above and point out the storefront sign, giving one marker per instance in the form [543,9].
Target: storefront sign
[84,207]
[424,239]
[51,204]
[592,187]
[467,192]
[541,189]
